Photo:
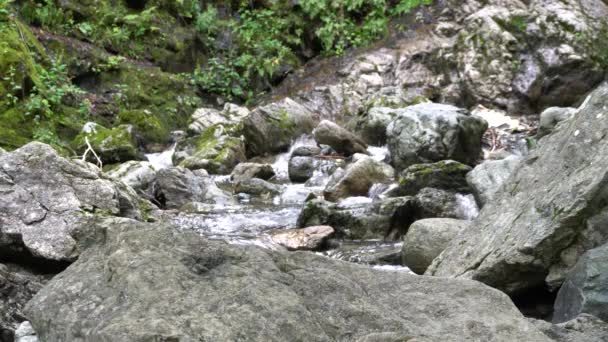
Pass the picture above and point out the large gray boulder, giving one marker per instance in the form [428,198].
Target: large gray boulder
[372,126]
[585,290]
[45,198]
[357,178]
[177,186]
[584,328]
[552,209]
[141,283]
[246,171]
[338,138]
[487,177]
[430,132]
[426,239]
[552,116]
[137,174]
[272,128]
[445,175]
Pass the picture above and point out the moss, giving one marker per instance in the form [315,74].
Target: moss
[146,124]
[216,151]
[112,145]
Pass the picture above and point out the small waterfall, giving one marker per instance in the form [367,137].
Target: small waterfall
[467,207]
[380,154]
[281,164]
[163,159]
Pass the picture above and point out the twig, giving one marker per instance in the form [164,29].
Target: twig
[90,148]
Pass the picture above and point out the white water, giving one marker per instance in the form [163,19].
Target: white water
[163,159]
[467,207]
[380,154]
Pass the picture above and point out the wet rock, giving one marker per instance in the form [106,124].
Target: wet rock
[114,145]
[45,198]
[367,252]
[446,204]
[214,291]
[272,128]
[137,174]
[426,239]
[487,177]
[550,117]
[362,218]
[341,140]
[533,231]
[245,171]
[257,187]
[585,289]
[204,118]
[445,175]
[25,333]
[430,132]
[372,126]
[309,238]
[584,328]
[302,168]
[357,178]
[306,151]
[177,186]
[218,149]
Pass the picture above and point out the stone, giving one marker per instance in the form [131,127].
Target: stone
[487,177]
[306,151]
[445,175]
[372,127]
[177,186]
[357,178]
[426,239]
[25,333]
[552,116]
[213,291]
[585,289]
[551,210]
[137,174]
[436,203]
[45,198]
[204,118]
[584,328]
[272,128]
[114,145]
[246,171]
[257,187]
[431,132]
[340,139]
[309,238]
[301,168]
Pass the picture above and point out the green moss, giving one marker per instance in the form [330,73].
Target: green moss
[146,125]
[112,145]
[216,150]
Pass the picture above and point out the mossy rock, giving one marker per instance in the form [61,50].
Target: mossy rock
[112,145]
[445,175]
[215,150]
[147,125]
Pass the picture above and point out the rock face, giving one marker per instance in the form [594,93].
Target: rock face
[357,178]
[552,209]
[445,175]
[487,177]
[246,171]
[426,239]
[45,198]
[272,128]
[338,138]
[550,117]
[212,291]
[585,290]
[309,238]
[584,328]
[430,132]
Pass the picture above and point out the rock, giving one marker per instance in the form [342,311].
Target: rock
[430,132]
[17,286]
[177,186]
[213,291]
[552,209]
[585,289]
[426,239]
[487,177]
[306,151]
[584,328]
[357,178]
[359,218]
[218,149]
[136,174]
[372,127]
[437,203]
[45,198]
[444,175]
[246,171]
[25,333]
[114,145]
[272,128]
[550,117]
[309,238]
[341,140]
[204,118]
[366,252]
[302,168]
[257,187]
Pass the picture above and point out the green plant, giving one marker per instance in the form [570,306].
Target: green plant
[5,10]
